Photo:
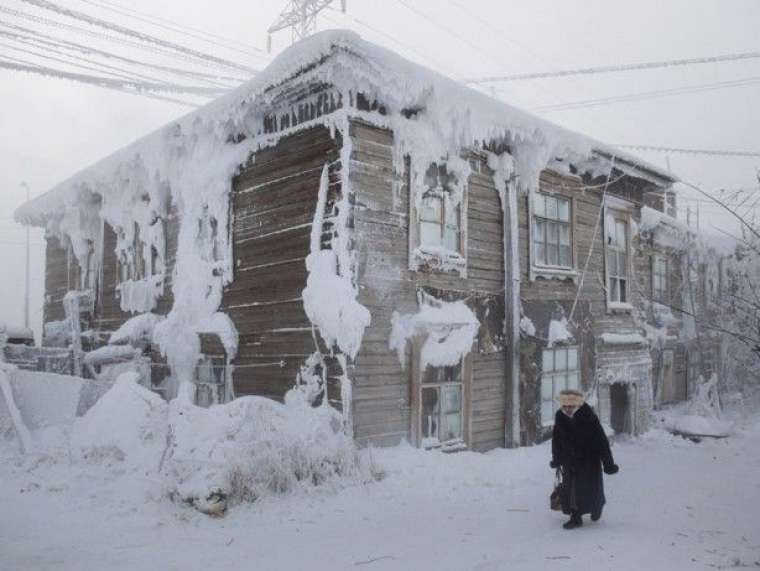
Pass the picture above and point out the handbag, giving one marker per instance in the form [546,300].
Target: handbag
[555,499]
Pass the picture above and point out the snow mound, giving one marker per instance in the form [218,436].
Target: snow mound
[128,424]
[253,447]
[210,457]
[692,425]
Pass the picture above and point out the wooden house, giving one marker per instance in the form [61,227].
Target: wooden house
[433,262]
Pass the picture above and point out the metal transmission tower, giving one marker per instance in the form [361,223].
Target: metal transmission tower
[301,17]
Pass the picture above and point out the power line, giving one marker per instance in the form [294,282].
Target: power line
[134,87]
[615,68]
[100,35]
[97,67]
[173,26]
[646,95]
[74,14]
[29,36]
[716,153]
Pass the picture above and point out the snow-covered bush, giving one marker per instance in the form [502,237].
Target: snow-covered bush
[253,447]
[211,457]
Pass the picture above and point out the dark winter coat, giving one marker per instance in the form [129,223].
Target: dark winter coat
[580,448]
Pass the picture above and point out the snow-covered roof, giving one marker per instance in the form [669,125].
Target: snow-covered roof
[463,118]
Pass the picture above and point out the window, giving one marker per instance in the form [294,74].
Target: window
[132,258]
[559,372]
[552,231]
[441,406]
[660,279]
[211,380]
[88,272]
[207,237]
[617,259]
[439,218]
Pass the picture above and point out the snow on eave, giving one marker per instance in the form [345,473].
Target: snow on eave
[349,63]
[634,166]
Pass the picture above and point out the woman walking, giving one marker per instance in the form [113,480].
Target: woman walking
[580,449]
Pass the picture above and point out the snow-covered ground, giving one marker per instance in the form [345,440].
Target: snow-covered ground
[674,505]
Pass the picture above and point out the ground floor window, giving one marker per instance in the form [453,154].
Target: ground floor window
[560,371]
[441,406]
[211,380]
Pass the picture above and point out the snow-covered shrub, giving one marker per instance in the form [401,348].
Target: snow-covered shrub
[253,447]
[211,457]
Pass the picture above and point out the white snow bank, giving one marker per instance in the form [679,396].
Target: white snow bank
[127,424]
[255,446]
[239,451]
[450,329]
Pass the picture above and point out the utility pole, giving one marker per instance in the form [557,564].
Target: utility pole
[301,17]
[26,269]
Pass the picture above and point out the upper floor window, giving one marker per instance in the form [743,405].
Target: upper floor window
[560,372]
[617,258]
[552,231]
[439,215]
[660,279]
[437,235]
[439,222]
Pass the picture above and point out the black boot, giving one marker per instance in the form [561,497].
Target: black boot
[596,514]
[575,521]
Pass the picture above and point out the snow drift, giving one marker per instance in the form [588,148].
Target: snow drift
[209,457]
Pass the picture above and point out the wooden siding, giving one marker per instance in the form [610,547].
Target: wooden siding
[382,388]
[273,204]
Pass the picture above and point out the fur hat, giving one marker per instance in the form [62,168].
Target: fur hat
[571,397]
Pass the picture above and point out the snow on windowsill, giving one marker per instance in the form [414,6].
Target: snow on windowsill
[553,273]
[438,259]
[619,306]
[623,339]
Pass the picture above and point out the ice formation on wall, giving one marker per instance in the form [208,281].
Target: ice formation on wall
[449,329]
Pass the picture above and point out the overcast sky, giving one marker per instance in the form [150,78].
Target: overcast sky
[51,128]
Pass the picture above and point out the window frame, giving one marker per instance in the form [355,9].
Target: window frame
[535,269]
[661,291]
[437,257]
[141,260]
[555,373]
[619,210]
[419,385]
[549,221]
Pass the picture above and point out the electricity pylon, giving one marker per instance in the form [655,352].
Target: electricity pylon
[301,17]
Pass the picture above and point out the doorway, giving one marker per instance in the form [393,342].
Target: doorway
[620,409]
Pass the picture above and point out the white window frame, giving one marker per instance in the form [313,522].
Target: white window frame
[620,210]
[548,219]
[437,257]
[419,385]
[544,270]
[557,379]
[660,279]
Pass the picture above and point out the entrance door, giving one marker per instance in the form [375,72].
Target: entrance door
[668,393]
[620,408]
